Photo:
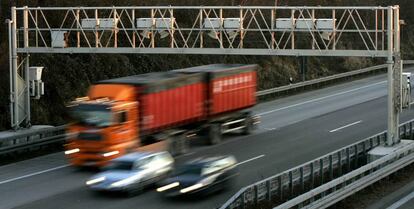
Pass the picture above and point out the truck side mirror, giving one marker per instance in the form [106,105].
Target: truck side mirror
[123,117]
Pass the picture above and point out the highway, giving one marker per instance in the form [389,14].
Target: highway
[294,130]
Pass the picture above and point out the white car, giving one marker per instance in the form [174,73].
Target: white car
[133,172]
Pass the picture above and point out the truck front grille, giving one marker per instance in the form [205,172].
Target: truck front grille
[90,136]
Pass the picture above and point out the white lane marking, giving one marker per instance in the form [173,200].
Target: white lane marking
[33,174]
[402,201]
[318,99]
[251,159]
[411,103]
[345,126]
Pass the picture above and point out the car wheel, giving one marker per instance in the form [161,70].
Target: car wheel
[138,189]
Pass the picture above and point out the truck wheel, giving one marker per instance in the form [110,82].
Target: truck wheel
[171,146]
[178,145]
[214,134]
[182,144]
[248,126]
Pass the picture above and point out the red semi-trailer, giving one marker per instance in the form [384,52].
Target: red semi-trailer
[161,111]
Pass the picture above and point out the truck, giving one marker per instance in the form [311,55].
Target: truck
[161,111]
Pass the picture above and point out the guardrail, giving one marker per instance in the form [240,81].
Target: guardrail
[326,79]
[32,139]
[308,176]
[340,188]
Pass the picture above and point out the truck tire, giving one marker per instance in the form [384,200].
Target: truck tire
[178,145]
[248,126]
[182,144]
[214,134]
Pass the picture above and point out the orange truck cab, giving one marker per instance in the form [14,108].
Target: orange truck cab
[105,125]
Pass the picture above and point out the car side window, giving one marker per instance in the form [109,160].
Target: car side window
[143,163]
[214,167]
[164,158]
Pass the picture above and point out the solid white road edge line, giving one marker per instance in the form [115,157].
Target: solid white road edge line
[251,159]
[33,174]
[345,126]
[318,99]
[402,201]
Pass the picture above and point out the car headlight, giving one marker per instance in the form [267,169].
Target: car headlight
[191,188]
[95,180]
[202,183]
[168,186]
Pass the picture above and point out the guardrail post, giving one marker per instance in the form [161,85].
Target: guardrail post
[312,175]
[302,181]
[340,163]
[356,163]
[269,191]
[364,148]
[321,170]
[279,182]
[330,167]
[244,200]
[348,160]
[411,130]
[291,183]
[256,195]
[405,131]
[378,140]
[371,143]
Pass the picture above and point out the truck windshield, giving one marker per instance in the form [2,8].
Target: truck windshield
[93,115]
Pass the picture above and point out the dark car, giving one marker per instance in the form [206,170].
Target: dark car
[201,176]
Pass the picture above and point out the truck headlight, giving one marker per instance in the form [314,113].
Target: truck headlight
[107,154]
[68,152]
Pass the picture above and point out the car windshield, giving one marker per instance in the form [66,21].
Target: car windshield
[120,165]
[93,115]
[189,170]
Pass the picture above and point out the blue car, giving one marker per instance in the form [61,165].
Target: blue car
[133,172]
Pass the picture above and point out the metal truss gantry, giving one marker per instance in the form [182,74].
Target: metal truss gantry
[217,30]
